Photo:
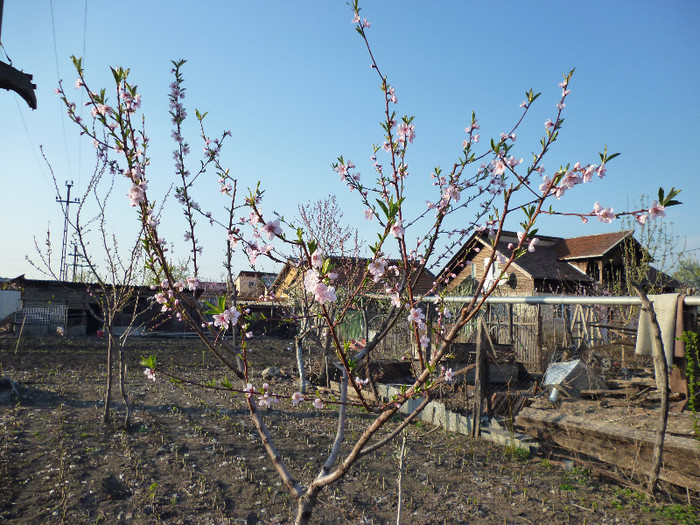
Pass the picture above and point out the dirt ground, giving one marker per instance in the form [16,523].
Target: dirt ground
[192,455]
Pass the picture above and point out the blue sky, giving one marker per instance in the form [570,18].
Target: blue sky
[292,82]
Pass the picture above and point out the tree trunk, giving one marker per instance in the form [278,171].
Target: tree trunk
[299,350]
[108,390]
[307,503]
[122,388]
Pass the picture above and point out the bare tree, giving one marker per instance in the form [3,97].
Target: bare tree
[112,276]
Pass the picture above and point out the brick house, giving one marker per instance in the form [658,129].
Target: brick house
[558,265]
[252,285]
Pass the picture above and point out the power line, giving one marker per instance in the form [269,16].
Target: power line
[58,79]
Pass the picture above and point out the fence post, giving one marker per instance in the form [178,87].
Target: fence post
[510,324]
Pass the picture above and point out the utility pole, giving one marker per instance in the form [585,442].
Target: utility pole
[64,249]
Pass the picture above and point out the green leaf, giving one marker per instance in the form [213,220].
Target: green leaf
[384,208]
[148,362]
[326,266]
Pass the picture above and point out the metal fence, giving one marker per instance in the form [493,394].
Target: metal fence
[536,327]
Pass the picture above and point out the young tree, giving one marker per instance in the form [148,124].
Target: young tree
[112,276]
[498,186]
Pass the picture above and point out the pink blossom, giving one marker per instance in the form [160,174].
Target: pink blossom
[549,124]
[397,229]
[356,18]
[317,259]
[311,281]
[406,132]
[249,335]
[498,166]
[297,398]
[137,193]
[325,294]
[560,105]
[318,403]
[416,316]
[656,210]
[588,173]
[365,23]
[377,268]
[220,320]
[545,186]
[342,171]
[452,192]
[532,244]
[396,300]
[604,214]
[272,229]
[601,171]
[369,214]
[521,236]
[361,382]
[424,341]
[150,374]
[192,283]
[79,83]
[391,95]
[448,374]
[641,219]
[249,390]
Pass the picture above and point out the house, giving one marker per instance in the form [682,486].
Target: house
[289,284]
[557,265]
[252,285]
[350,271]
[71,308]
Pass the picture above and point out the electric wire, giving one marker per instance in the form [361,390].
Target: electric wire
[31,142]
[58,79]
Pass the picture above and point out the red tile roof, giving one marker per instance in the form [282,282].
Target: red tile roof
[589,245]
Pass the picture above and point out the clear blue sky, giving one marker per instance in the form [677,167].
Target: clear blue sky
[292,81]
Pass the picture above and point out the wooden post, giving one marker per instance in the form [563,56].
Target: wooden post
[510,324]
[481,376]
[662,368]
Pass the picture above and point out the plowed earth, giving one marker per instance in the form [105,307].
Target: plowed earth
[192,455]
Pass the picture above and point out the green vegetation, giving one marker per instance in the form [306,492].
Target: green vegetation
[692,371]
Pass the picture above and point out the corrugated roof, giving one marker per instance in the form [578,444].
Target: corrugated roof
[589,245]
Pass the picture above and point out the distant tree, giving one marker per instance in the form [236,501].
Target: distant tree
[688,271]
[648,266]
[323,221]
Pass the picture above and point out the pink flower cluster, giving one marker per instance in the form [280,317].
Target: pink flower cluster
[577,175]
[606,215]
[521,239]
[226,318]
[314,281]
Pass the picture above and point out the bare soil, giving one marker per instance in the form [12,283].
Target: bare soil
[192,456]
